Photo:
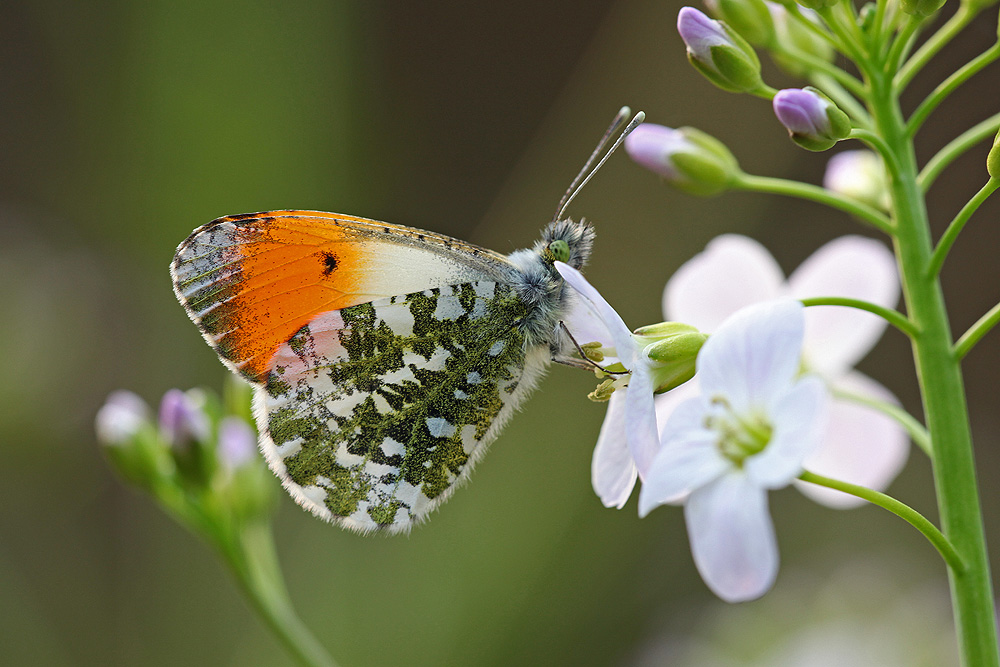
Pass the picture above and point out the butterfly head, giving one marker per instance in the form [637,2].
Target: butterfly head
[539,284]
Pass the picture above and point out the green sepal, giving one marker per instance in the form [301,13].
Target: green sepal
[993,158]
[143,460]
[750,18]
[706,171]
[673,352]
[732,68]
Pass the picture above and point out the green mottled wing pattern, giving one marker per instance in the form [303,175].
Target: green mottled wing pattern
[375,412]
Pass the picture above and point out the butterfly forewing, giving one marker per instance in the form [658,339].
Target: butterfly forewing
[375,411]
[251,281]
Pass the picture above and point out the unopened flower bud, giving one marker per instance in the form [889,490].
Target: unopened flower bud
[120,418]
[182,422]
[719,53]
[187,431]
[673,349]
[860,175]
[993,158]
[812,119]
[237,443]
[131,445]
[795,39]
[687,158]
[750,18]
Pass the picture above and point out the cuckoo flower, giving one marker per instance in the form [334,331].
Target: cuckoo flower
[754,423]
[860,445]
[628,438]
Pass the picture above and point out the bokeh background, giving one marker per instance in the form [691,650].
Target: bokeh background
[125,125]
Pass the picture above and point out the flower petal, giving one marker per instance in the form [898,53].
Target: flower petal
[732,538]
[640,417]
[861,445]
[731,273]
[667,402]
[852,266]
[617,331]
[584,323]
[613,471]
[688,461]
[798,420]
[753,357]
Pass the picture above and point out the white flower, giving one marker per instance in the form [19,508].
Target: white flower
[749,431]
[628,438]
[858,174]
[861,445]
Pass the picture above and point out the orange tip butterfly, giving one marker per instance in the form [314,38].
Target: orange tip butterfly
[384,359]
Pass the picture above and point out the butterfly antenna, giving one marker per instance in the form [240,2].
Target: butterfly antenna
[586,172]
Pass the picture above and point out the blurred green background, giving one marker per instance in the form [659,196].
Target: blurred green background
[125,125]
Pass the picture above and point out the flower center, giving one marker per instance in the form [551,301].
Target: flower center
[739,436]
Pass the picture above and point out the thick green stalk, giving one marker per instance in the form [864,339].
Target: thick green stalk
[251,555]
[942,390]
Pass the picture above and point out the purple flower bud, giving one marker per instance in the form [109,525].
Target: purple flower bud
[181,420]
[237,443]
[687,158]
[120,418]
[652,146]
[718,52]
[813,121]
[700,33]
[801,111]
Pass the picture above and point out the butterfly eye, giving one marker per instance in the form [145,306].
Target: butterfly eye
[559,250]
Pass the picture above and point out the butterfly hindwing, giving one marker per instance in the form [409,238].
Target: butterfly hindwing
[375,411]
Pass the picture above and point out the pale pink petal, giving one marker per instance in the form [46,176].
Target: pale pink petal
[617,331]
[753,357]
[861,445]
[685,463]
[640,417]
[585,325]
[798,420]
[731,273]
[613,471]
[732,537]
[851,266]
[667,402]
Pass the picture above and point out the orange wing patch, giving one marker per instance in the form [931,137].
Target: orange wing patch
[255,281]
[251,281]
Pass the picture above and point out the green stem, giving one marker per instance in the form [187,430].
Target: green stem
[956,226]
[956,147]
[954,25]
[903,511]
[251,555]
[893,317]
[877,143]
[977,331]
[918,434]
[849,44]
[814,193]
[820,66]
[948,86]
[940,378]
[903,43]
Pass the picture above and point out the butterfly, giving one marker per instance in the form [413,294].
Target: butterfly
[384,359]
